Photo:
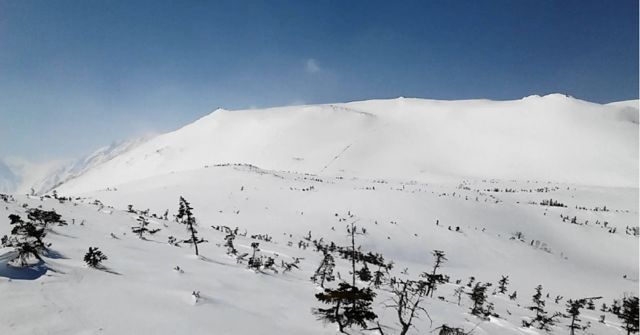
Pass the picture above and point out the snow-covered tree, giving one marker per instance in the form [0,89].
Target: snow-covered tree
[26,238]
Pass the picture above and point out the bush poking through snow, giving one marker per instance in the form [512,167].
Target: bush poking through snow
[94,257]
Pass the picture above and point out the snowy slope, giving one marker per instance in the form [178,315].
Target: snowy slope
[141,292]
[79,167]
[551,138]
[419,175]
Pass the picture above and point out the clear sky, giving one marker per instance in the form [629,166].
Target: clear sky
[77,75]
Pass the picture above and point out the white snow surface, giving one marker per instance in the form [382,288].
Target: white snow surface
[139,292]
[397,167]
[551,138]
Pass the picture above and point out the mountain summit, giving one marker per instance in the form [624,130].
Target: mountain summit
[551,138]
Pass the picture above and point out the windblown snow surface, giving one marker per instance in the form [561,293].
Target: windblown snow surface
[419,175]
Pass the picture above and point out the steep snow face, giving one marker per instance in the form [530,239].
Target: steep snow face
[552,138]
[81,166]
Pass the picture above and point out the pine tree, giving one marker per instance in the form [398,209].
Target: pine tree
[44,218]
[94,257]
[541,320]
[231,250]
[502,284]
[254,262]
[186,217]
[324,272]
[629,314]
[26,238]
[479,296]
[573,310]
[142,228]
[350,306]
[434,279]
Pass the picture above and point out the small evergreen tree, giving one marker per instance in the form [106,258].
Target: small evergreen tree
[502,284]
[231,250]
[479,296]
[573,310]
[186,217]
[26,239]
[94,257]
[254,262]
[434,279]
[541,320]
[324,272]
[350,306]
[629,314]
[142,228]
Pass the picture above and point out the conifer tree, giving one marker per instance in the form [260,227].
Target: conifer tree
[629,314]
[254,262]
[502,284]
[324,272]
[94,257]
[351,305]
[142,228]
[26,238]
[479,296]
[434,279]
[573,310]
[541,320]
[186,217]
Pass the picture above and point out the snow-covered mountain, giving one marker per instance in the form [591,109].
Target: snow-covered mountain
[551,138]
[9,181]
[542,190]
[79,167]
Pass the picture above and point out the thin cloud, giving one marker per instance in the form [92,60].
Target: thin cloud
[312,66]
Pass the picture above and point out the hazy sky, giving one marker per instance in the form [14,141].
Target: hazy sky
[76,75]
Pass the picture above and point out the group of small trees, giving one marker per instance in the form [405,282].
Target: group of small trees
[350,304]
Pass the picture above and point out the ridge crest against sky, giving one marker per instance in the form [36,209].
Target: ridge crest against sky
[77,75]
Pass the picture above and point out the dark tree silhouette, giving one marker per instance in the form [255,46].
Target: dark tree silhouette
[94,257]
[629,314]
[324,272]
[541,320]
[350,306]
[434,279]
[186,217]
[502,284]
[26,238]
[142,228]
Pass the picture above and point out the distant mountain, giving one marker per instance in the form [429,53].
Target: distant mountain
[9,181]
[79,167]
[551,138]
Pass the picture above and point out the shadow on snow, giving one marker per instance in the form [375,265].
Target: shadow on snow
[30,272]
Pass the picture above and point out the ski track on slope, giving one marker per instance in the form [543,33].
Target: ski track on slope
[349,146]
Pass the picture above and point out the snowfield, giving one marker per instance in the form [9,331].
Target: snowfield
[469,178]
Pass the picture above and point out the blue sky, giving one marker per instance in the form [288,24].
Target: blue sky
[77,75]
